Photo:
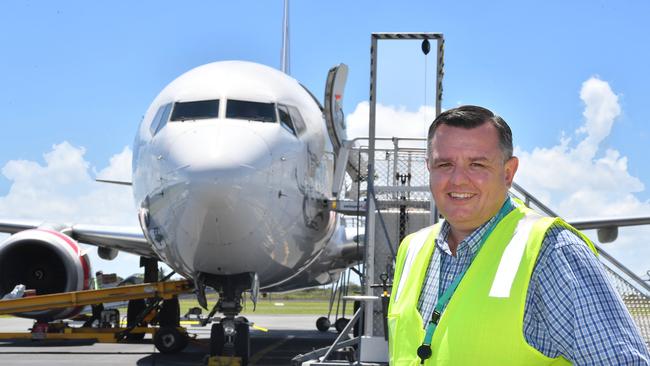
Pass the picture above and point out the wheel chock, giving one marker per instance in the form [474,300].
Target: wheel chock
[224,361]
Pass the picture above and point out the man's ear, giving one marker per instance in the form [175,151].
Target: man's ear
[510,169]
[426,162]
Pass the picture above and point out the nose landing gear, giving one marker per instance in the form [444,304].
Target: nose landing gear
[231,338]
[230,335]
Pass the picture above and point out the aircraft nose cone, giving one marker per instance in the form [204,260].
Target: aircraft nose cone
[219,188]
[225,147]
[229,165]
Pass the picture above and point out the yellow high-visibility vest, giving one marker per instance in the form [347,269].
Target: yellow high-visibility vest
[483,322]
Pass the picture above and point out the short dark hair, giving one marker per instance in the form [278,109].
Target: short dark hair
[471,116]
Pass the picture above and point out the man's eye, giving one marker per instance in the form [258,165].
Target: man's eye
[443,165]
[477,165]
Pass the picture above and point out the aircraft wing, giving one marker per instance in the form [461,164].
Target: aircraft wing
[606,223]
[608,228]
[14,226]
[126,239]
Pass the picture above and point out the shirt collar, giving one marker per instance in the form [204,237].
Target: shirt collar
[472,241]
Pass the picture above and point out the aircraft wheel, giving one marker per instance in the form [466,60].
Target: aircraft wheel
[243,342]
[134,308]
[323,324]
[170,340]
[216,339]
[170,313]
[242,319]
[340,323]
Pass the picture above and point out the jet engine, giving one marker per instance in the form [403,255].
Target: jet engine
[47,261]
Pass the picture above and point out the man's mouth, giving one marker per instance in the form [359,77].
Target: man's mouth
[460,196]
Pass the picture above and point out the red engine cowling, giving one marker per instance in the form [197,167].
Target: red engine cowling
[46,261]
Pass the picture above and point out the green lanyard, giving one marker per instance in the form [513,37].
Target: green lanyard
[424,351]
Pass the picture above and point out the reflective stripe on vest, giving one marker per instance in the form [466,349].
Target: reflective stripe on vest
[512,256]
[414,246]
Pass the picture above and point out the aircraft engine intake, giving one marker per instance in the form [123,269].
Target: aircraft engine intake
[46,261]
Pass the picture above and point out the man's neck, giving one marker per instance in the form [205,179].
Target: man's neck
[455,237]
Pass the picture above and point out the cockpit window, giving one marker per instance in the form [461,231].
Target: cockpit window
[184,111]
[160,120]
[252,111]
[285,118]
[156,120]
[298,122]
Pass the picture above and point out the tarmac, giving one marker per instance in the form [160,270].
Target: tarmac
[287,336]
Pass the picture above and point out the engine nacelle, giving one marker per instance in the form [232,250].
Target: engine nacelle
[47,261]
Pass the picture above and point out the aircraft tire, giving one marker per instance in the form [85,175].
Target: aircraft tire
[340,323]
[216,339]
[134,308]
[243,342]
[170,313]
[170,340]
[323,324]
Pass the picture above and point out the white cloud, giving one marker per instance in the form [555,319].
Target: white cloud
[576,179]
[63,190]
[119,167]
[601,110]
[580,180]
[390,121]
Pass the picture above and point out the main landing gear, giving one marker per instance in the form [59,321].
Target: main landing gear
[230,335]
[340,288]
[169,337]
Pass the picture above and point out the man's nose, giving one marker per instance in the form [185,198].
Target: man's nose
[458,176]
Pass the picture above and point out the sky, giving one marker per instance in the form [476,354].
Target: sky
[569,77]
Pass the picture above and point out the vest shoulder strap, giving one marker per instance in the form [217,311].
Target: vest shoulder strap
[407,253]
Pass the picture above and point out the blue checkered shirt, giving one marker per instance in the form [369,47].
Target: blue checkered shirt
[571,308]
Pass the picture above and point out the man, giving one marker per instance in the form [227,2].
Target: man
[496,283]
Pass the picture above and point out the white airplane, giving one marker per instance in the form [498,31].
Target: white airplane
[233,168]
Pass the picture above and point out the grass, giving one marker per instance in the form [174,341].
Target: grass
[306,302]
[265,307]
[312,301]
[278,307]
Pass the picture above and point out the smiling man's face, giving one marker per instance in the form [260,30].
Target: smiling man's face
[468,177]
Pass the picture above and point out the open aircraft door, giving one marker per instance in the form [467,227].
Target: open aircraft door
[336,128]
[333,109]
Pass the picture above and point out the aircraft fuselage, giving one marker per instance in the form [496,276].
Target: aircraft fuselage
[232,168]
